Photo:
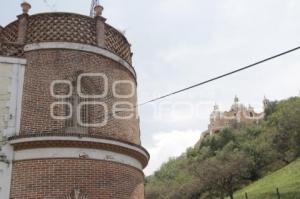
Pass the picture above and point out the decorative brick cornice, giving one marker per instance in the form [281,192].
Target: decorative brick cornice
[35,142]
[10,32]
[10,49]
[67,27]
[76,153]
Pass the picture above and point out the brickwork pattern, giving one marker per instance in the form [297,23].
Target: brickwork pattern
[45,66]
[57,178]
[61,27]
[10,32]
[115,42]
[11,49]
[1,36]
[67,27]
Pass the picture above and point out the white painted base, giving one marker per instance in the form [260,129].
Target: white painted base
[5,172]
[94,154]
[80,139]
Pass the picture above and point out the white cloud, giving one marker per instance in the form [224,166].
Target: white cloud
[169,144]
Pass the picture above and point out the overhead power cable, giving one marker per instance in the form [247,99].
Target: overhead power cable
[109,116]
[211,80]
[221,76]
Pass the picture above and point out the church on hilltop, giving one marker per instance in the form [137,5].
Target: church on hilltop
[238,115]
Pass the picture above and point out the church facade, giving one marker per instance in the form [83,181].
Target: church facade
[68,124]
[238,115]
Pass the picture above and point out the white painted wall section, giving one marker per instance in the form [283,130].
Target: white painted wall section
[11,89]
[94,154]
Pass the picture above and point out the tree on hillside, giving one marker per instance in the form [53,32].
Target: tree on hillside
[166,182]
[189,190]
[257,147]
[223,174]
[270,109]
[284,124]
[215,143]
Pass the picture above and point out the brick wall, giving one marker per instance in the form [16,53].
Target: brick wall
[57,178]
[65,27]
[1,38]
[10,32]
[65,178]
[47,65]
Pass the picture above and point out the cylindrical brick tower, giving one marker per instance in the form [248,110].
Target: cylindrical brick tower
[74,132]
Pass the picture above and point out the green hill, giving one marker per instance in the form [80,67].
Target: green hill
[286,179]
[236,157]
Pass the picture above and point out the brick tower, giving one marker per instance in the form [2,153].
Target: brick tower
[68,125]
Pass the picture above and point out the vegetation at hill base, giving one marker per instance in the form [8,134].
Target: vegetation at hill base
[234,158]
[287,178]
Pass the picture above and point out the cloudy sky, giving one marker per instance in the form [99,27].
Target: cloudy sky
[178,43]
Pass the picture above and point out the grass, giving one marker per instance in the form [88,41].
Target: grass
[286,179]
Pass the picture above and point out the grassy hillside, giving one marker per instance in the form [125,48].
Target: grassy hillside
[235,157]
[286,179]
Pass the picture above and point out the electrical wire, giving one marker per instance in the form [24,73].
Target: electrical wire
[109,116]
[221,76]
